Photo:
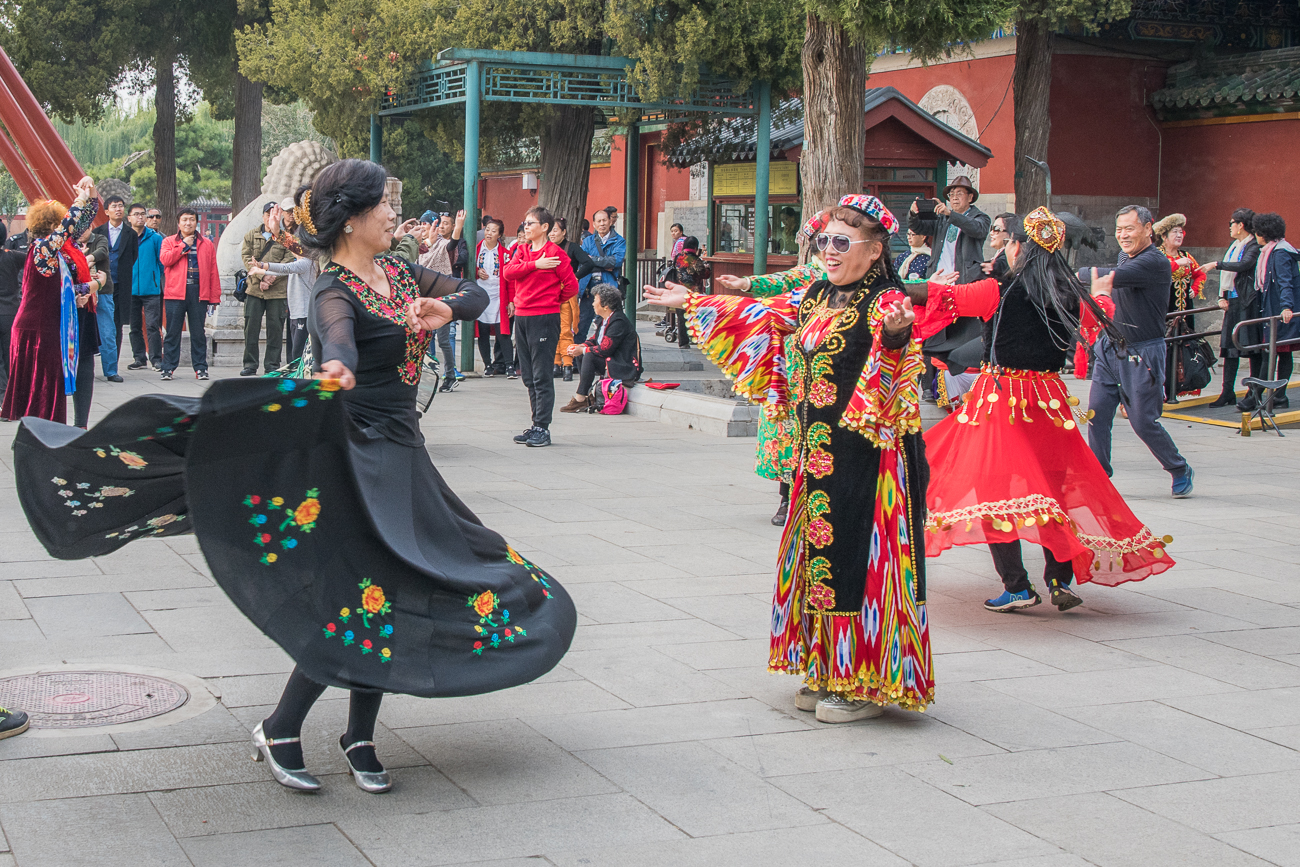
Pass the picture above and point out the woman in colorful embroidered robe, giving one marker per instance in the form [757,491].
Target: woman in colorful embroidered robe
[49,332]
[849,606]
[315,502]
[1188,280]
[775,459]
[1011,464]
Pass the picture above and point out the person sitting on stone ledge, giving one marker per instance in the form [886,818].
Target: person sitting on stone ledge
[612,352]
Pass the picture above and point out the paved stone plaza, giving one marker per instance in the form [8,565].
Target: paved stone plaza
[1157,725]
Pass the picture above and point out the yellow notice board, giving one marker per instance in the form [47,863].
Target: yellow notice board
[737,179]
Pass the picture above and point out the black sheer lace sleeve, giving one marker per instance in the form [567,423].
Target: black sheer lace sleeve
[465,297]
[334,321]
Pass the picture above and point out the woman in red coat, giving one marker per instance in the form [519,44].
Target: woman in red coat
[40,352]
[190,284]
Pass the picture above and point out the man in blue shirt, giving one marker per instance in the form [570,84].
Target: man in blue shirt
[146,294]
[607,250]
[112,308]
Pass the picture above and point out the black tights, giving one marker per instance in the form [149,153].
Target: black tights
[300,693]
[86,387]
[1232,363]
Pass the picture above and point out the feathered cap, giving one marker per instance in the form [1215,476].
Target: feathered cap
[871,207]
[1045,229]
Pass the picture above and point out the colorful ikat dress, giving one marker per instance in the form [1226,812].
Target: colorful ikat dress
[848,611]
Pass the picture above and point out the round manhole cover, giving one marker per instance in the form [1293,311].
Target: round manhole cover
[83,699]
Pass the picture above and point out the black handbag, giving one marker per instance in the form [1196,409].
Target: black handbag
[241,276]
[1195,361]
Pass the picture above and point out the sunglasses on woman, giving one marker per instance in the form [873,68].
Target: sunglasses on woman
[838,243]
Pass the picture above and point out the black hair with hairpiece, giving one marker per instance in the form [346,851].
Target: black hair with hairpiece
[340,192]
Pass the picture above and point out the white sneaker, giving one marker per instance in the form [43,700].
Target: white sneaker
[837,709]
[806,699]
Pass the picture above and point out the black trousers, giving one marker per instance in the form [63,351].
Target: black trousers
[276,311]
[535,339]
[586,314]
[85,392]
[146,333]
[592,366]
[6,329]
[503,353]
[297,338]
[195,312]
[683,333]
[1011,568]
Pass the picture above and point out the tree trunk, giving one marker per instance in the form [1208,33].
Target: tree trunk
[566,164]
[246,183]
[834,101]
[1032,82]
[164,136]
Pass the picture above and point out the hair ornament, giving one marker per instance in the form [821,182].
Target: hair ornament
[871,207]
[302,213]
[1045,229]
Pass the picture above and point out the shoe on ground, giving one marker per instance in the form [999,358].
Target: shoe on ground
[576,404]
[1183,484]
[12,722]
[489,371]
[1281,401]
[166,376]
[539,438]
[837,709]
[512,373]
[137,365]
[523,437]
[1064,598]
[1009,601]
[157,368]
[778,520]
[557,371]
[201,375]
[1223,400]
[568,373]
[806,699]
[115,377]
[457,375]
[448,384]
[248,371]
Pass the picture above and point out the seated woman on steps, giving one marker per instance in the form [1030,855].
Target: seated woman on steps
[612,352]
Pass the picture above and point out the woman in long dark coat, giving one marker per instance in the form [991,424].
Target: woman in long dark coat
[1238,300]
[315,502]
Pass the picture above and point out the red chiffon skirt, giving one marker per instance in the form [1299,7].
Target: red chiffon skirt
[1011,464]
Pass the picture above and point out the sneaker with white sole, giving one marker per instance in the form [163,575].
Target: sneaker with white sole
[1064,598]
[806,699]
[522,438]
[12,722]
[1009,601]
[838,709]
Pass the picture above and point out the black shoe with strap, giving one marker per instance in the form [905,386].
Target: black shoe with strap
[12,722]
[523,437]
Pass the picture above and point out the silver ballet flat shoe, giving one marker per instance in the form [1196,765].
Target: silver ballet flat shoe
[299,779]
[367,781]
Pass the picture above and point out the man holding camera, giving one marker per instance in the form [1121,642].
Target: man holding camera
[959,230]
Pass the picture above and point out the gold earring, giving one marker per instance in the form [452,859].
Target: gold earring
[347,230]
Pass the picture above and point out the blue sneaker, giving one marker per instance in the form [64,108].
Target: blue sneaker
[1009,601]
[460,377]
[1183,484]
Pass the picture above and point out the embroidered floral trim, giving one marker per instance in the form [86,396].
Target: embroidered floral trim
[92,499]
[886,402]
[403,290]
[182,424]
[373,604]
[131,459]
[298,519]
[533,572]
[155,526]
[296,393]
[493,626]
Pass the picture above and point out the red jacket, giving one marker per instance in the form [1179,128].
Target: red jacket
[536,292]
[175,264]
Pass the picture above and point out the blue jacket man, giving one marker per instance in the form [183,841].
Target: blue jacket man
[607,250]
[146,295]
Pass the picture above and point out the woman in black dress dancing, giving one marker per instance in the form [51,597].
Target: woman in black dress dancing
[315,502]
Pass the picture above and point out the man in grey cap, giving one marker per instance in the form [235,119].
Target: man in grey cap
[959,230]
[267,295]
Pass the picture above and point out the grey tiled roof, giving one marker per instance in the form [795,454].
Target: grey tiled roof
[1253,83]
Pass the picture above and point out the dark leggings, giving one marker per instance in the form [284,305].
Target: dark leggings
[505,351]
[592,364]
[1011,568]
[86,389]
[785,492]
[300,693]
[1232,363]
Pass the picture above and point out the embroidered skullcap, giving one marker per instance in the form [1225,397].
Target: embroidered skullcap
[813,225]
[1045,229]
[871,207]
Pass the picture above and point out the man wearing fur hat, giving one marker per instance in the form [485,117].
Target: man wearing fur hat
[959,230]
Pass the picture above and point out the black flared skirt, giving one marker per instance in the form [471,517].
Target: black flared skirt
[347,549]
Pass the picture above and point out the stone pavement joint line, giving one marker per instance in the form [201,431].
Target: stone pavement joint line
[1157,725]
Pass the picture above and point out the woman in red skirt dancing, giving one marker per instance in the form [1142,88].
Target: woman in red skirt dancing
[1011,463]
